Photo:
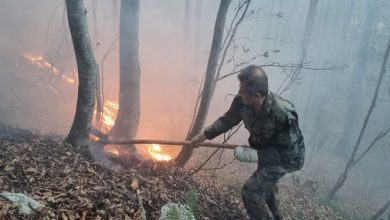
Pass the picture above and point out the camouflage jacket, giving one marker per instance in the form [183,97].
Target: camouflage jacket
[274,132]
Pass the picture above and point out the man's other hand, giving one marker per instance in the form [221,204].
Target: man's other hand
[245,154]
[198,138]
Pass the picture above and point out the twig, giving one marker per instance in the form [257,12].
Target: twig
[226,139]
[230,134]
[200,167]
[380,211]
[221,167]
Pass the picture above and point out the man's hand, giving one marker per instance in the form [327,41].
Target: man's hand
[198,138]
[245,154]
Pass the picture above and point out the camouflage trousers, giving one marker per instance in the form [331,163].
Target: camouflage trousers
[260,195]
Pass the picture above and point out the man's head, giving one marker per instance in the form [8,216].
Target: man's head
[253,85]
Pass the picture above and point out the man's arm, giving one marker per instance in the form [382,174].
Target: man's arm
[230,119]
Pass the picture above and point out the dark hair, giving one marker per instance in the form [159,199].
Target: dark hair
[255,79]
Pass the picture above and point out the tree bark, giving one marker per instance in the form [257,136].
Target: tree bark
[209,85]
[87,72]
[126,123]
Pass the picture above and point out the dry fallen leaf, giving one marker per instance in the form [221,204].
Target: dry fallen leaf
[135,184]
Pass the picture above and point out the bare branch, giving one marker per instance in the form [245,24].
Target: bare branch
[378,137]
[233,33]
[380,211]
[200,167]
[230,134]
[290,66]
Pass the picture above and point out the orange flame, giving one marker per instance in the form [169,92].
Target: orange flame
[157,154]
[112,150]
[40,62]
[109,113]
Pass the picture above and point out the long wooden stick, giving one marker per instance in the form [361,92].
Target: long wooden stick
[165,142]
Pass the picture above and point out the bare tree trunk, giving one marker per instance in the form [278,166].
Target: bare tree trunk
[186,22]
[115,15]
[209,85]
[198,31]
[186,43]
[126,123]
[87,71]
[343,50]
[309,23]
[343,177]
[358,85]
[99,101]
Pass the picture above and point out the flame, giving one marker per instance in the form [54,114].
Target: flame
[40,62]
[95,138]
[157,154]
[110,110]
[112,150]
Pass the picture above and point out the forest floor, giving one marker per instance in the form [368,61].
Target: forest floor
[73,187]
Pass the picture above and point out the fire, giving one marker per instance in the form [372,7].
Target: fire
[156,152]
[111,150]
[40,62]
[110,110]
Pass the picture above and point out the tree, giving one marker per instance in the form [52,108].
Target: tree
[353,160]
[311,15]
[209,84]
[358,85]
[87,72]
[126,123]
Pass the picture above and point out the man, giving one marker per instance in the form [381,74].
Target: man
[274,132]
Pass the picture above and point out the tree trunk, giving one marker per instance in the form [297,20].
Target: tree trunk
[209,85]
[343,50]
[126,123]
[99,102]
[343,177]
[198,31]
[115,15]
[309,23]
[358,85]
[87,71]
